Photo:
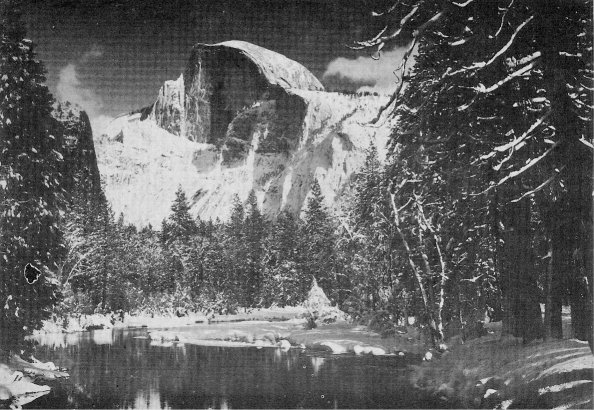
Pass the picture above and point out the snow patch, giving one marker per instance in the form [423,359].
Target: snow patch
[563,386]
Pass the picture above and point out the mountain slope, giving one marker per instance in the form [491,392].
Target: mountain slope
[240,118]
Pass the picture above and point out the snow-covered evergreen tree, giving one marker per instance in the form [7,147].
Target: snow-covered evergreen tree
[282,278]
[318,241]
[253,231]
[31,195]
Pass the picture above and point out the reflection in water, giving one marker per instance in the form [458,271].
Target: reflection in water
[150,400]
[316,364]
[129,372]
[102,337]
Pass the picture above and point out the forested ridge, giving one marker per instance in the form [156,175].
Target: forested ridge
[483,206]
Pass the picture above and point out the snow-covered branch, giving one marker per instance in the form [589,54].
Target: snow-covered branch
[381,39]
[486,90]
[505,11]
[541,186]
[520,171]
[502,50]
[462,5]
[513,144]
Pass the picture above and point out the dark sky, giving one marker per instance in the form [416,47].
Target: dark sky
[116,54]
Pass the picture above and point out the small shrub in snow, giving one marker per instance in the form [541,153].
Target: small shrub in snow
[319,308]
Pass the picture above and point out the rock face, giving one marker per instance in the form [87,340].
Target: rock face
[168,110]
[80,160]
[223,79]
[240,118]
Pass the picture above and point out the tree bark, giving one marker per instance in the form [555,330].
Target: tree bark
[579,216]
[521,308]
[549,298]
[573,219]
[554,289]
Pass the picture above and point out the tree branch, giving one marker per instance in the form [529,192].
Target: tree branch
[483,64]
[541,186]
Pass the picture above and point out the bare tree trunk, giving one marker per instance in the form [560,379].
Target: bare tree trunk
[575,212]
[549,296]
[555,287]
[558,287]
[416,271]
[521,308]
[443,275]
[579,218]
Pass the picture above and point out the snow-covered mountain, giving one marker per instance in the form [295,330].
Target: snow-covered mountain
[240,118]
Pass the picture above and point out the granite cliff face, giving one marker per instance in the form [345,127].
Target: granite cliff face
[240,118]
[80,160]
[168,110]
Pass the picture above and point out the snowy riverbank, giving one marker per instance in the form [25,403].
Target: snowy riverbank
[80,323]
[21,381]
[488,372]
[495,372]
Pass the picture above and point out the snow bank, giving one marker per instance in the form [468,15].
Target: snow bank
[490,372]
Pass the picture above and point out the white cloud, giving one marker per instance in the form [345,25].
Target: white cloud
[100,124]
[366,70]
[70,88]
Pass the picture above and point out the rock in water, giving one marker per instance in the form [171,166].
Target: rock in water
[241,117]
[285,345]
[334,347]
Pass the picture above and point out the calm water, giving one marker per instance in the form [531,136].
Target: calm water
[116,369]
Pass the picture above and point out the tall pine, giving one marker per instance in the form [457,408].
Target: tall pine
[282,278]
[31,196]
[317,247]
[253,231]
[177,234]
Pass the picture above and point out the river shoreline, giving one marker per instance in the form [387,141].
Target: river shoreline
[488,372]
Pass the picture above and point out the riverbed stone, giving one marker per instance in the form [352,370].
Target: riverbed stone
[491,398]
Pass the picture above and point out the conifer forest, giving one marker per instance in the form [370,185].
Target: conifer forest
[478,210]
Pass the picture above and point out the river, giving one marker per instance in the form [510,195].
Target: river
[122,369]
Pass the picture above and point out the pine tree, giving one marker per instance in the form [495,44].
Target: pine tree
[282,278]
[500,107]
[317,245]
[253,234]
[31,195]
[177,234]
[180,224]
[235,252]
[367,244]
[369,190]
